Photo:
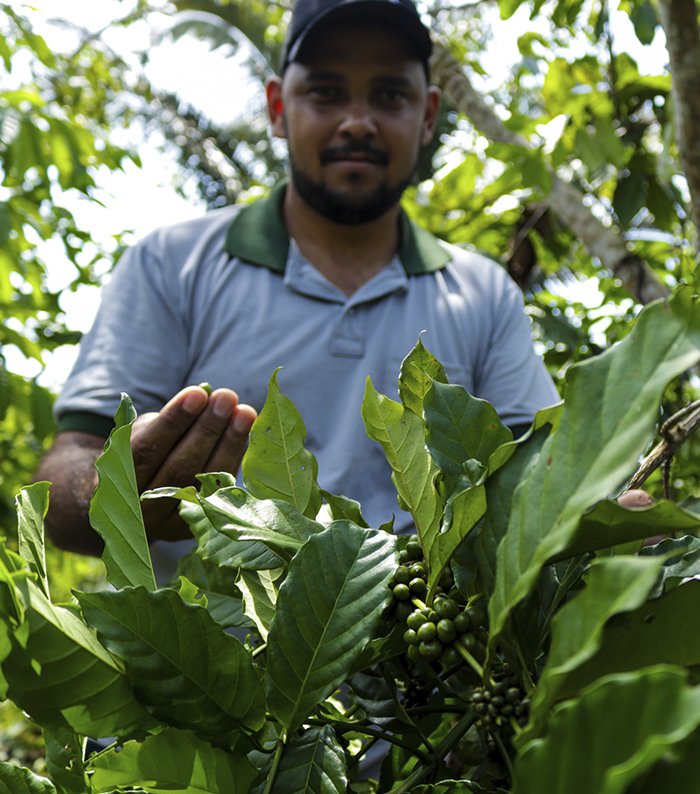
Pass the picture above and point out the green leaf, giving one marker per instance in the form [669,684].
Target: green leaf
[64,762]
[172,760]
[665,630]
[206,683]
[585,746]
[32,503]
[260,597]
[327,610]
[65,680]
[115,509]
[614,585]
[342,507]
[276,524]
[462,513]
[401,435]
[500,487]
[680,560]
[609,524]
[678,772]
[276,465]
[459,427]
[418,371]
[19,780]
[597,444]
[313,763]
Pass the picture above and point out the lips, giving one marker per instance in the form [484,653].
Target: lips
[357,154]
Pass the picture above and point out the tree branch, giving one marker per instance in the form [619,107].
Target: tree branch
[674,432]
[565,200]
[680,23]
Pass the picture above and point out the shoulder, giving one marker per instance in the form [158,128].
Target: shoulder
[195,232]
[478,273]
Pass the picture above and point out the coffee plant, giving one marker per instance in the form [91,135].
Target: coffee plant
[523,640]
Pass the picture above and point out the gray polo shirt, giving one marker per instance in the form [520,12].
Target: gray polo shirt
[227,299]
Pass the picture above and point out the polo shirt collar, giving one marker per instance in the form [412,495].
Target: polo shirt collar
[257,235]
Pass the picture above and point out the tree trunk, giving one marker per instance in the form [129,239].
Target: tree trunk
[680,22]
[565,201]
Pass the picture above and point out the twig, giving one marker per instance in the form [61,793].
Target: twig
[674,432]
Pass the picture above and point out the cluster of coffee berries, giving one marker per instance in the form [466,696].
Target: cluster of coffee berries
[501,703]
[442,631]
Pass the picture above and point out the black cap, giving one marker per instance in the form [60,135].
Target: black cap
[401,14]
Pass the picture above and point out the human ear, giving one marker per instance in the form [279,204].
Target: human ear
[275,106]
[432,108]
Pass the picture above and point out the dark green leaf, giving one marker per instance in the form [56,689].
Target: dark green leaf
[596,445]
[19,780]
[313,763]
[65,680]
[206,683]
[327,610]
[276,465]
[115,509]
[614,585]
[32,503]
[418,371]
[172,760]
[585,744]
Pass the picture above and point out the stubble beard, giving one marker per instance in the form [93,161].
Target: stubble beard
[340,208]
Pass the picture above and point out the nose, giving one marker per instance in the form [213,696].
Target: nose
[358,119]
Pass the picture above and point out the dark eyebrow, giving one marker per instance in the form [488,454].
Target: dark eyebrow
[398,81]
[319,76]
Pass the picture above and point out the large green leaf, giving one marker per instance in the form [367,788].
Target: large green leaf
[609,524]
[462,513]
[401,434]
[596,445]
[459,427]
[614,584]
[313,763]
[173,760]
[32,503]
[115,509]
[500,487]
[418,371]
[65,680]
[665,630]
[19,780]
[183,666]
[606,738]
[327,610]
[276,465]
[678,772]
[275,523]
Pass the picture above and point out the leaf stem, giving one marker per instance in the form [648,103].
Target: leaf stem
[443,748]
[504,753]
[356,727]
[273,769]
[259,650]
[478,669]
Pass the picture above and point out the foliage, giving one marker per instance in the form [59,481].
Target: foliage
[582,675]
[54,132]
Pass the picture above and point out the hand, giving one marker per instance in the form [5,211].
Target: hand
[193,433]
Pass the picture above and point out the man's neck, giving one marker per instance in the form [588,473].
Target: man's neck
[347,255]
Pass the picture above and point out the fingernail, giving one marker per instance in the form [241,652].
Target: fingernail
[223,404]
[194,402]
[242,422]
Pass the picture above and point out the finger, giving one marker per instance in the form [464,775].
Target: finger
[190,455]
[228,454]
[154,436]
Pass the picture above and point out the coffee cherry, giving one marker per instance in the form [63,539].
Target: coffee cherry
[402,592]
[446,631]
[427,632]
[430,650]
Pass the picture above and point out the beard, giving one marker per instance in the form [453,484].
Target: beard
[339,207]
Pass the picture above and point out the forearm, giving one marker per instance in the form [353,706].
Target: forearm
[70,468]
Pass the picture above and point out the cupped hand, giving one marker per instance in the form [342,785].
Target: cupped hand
[193,433]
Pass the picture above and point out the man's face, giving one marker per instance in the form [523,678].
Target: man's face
[356,109]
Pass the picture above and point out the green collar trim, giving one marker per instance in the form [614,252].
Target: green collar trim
[257,235]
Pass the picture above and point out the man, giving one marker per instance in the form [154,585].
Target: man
[326,278]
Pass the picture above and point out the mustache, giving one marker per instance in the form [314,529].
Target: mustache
[331,153]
